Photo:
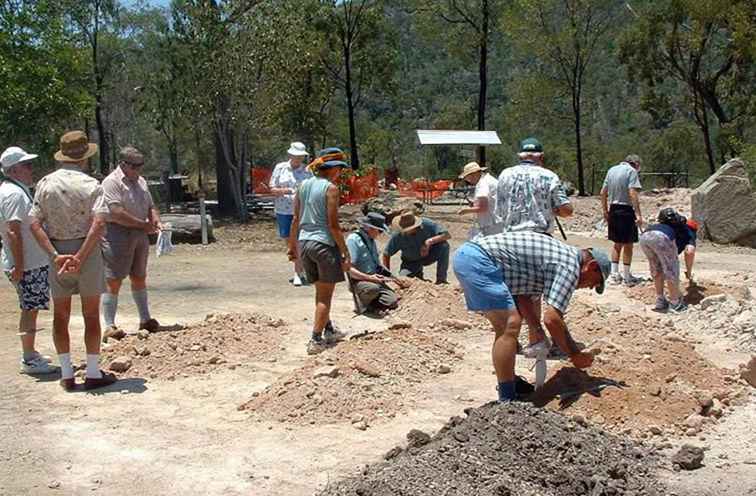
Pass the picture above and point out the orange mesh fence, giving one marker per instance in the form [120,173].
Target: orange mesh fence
[261,180]
[357,189]
[422,188]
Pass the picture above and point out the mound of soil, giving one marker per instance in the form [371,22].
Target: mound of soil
[225,340]
[361,379]
[647,378]
[425,303]
[693,293]
[514,450]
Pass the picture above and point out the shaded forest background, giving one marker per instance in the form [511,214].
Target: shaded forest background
[208,87]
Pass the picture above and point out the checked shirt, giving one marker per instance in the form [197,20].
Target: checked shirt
[534,264]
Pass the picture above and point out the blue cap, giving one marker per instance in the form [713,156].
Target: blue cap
[333,163]
[329,151]
[605,265]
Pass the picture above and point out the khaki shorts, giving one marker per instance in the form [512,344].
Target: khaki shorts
[89,281]
[125,252]
[321,262]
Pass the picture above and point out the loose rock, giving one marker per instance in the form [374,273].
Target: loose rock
[120,364]
[689,457]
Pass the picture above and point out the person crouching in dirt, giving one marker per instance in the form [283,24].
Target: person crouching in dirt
[421,242]
[662,243]
[369,279]
[322,249]
[495,270]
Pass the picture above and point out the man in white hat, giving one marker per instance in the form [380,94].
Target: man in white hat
[68,222]
[24,262]
[485,199]
[286,178]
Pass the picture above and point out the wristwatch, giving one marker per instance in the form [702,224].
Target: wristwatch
[54,255]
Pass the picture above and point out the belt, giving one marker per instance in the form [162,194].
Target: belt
[72,239]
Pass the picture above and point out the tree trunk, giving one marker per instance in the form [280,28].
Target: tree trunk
[702,118]
[578,140]
[350,107]
[226,203]
[483,80]
[102,133]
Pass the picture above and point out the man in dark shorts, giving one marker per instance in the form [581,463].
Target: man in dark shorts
[621,206]
[132,216]
[322,248]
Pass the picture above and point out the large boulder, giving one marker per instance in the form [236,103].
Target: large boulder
[725,206]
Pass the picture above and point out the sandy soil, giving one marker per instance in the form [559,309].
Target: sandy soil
[156,436]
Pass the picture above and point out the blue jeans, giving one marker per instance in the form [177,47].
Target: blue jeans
[438,254]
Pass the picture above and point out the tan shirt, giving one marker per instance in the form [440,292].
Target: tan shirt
[66,201]
[133,195]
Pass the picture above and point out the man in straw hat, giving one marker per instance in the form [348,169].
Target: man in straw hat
[286,178]
[68,222]
[370,278]
[421,242]
[485,198]
[494,269]
[126,246]
[24,262]
[322,249]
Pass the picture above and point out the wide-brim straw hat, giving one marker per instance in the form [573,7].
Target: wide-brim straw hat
[472,168]
[406,222]
[75,147]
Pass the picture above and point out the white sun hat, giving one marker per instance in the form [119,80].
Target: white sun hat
[13,156]
[297,149]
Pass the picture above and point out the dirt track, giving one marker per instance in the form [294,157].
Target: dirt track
[158,436]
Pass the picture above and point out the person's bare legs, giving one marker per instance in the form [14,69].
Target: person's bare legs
[90,310]
[27,326]
[659,285]
[506,325]
[673,287]
[61,337]
[323,298]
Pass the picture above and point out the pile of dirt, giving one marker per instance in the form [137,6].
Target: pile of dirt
[226,340]
[425,303]
[513,449]
[589,218]
[647,379]
[693,293]
[367,377]
[730,317]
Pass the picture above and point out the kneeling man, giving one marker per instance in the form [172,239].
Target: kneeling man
[496,270]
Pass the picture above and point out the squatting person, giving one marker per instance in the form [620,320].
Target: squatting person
[322,248]
[286,178]
[68,220]
[421,242]
[369,278]
[24,262]
[662,243]
[132,217]
[620,203]
[485,199]
[494,269]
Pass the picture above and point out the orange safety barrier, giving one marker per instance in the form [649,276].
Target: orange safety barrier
[357,189]
[261,180]
[424,189]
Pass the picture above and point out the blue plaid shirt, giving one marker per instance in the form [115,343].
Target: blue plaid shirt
[534,263]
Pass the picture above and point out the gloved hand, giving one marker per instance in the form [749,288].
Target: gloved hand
[582,360]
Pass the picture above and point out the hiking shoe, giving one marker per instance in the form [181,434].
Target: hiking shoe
[556,353]
[106,380]
[661,305]
[333,336]
[296,280]
[615,278]
[151,325]
[537,350]
[37,355]
[37,366]
[314,347]
[679,307]
[631,281]
[113,332]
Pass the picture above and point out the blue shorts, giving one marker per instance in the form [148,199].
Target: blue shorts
[482,280]
[284,224]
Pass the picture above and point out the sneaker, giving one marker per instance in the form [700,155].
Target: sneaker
[537,350]
[333,336]
[37,366]
[615,278]
[662,305]
[678,307]
[296,280]
[315,347]
[46,358]
[631,281]
[556,353]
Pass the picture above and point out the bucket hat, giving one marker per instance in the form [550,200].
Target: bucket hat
[75,147]
[472,168]
[297,149]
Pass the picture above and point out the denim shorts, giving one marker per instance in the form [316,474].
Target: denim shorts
[481,279]
[284,225]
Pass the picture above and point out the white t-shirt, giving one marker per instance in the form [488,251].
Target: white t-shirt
[285,176]
[486,188]
[15,204]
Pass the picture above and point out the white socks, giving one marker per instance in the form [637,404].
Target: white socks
[615,268]
[626,272]
[140,299]
[93,366]
[66,369]
[109,308]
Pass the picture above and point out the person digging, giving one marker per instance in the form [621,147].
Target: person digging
[421,242]
[496,270]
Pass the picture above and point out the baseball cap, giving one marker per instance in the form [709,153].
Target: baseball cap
[605,265]
[531,145]
[13,156]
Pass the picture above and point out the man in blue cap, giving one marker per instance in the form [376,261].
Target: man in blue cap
[495,271]
[323,251]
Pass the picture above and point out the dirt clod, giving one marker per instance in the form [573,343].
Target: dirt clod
[689,457]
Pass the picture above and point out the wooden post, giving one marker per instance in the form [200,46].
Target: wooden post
[203,216]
